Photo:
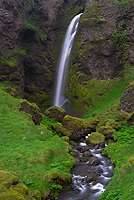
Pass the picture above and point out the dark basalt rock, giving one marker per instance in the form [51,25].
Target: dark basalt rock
[87,154]
[94,161]
[127,99]
[90,178]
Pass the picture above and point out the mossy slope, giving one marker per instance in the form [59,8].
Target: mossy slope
[28,151]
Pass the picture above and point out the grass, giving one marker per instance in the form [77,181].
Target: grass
[106,93]
[29,151]
[121,185]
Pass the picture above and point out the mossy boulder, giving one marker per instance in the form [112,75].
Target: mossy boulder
[32,109]
[107,131]
[59,178]
[76,126]
[55,113]
[96,139]
[112,124]
[123,117]
[60,129]
[11,187]
[91,124]
[127,99]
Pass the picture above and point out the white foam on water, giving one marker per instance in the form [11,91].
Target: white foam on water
[98,186]
[83,144]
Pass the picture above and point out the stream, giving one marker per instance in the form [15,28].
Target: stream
[91,174]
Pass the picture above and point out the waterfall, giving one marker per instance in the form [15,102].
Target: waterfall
[60,99]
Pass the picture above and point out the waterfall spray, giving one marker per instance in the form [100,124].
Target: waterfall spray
[60,99]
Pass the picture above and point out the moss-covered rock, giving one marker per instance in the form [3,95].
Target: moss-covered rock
[11,187]
[123,117]
[96,139]
[59,178]
[76,126]
[91,124]
[55,113]
[32,109]
[111,123]
[107,131]
[60,129]
[127,99]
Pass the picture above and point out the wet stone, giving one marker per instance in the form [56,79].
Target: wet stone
[83,149]
[83,159]
[90,178]
[99,171]
[94,161]
[87,154]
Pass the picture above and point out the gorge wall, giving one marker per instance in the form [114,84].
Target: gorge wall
[31,34]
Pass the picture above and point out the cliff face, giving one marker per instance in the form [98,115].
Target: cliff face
[27,46]
[104,44]
[27,41]
[106,39]
[32,31]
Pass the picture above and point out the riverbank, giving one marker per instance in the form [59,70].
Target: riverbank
[39,158]
[121,185]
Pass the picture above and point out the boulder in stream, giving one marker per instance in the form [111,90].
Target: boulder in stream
[76,126]
[96,139]
[94,161]
[90,178]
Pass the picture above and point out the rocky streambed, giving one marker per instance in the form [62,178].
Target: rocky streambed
[88,139]
[91,174]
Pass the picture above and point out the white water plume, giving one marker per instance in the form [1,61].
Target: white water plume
[64,59]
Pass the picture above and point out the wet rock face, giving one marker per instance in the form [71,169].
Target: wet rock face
[28,47]
[127,99]
[105,29]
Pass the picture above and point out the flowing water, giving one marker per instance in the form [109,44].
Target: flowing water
[60,98]
[89,179]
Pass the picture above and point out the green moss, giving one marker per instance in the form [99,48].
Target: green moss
[55,113]
[96,139]
[30,150]
[29,24]
[72,124]
[60,129]
[11,187]
[121,185]
[11,63]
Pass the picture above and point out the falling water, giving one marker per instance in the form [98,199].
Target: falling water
[60,99]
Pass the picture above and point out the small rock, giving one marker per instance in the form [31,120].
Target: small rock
[94,161]
[87,154]
[90,178]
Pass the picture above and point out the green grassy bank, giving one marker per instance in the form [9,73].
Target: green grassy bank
[40,159]
[121,185]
